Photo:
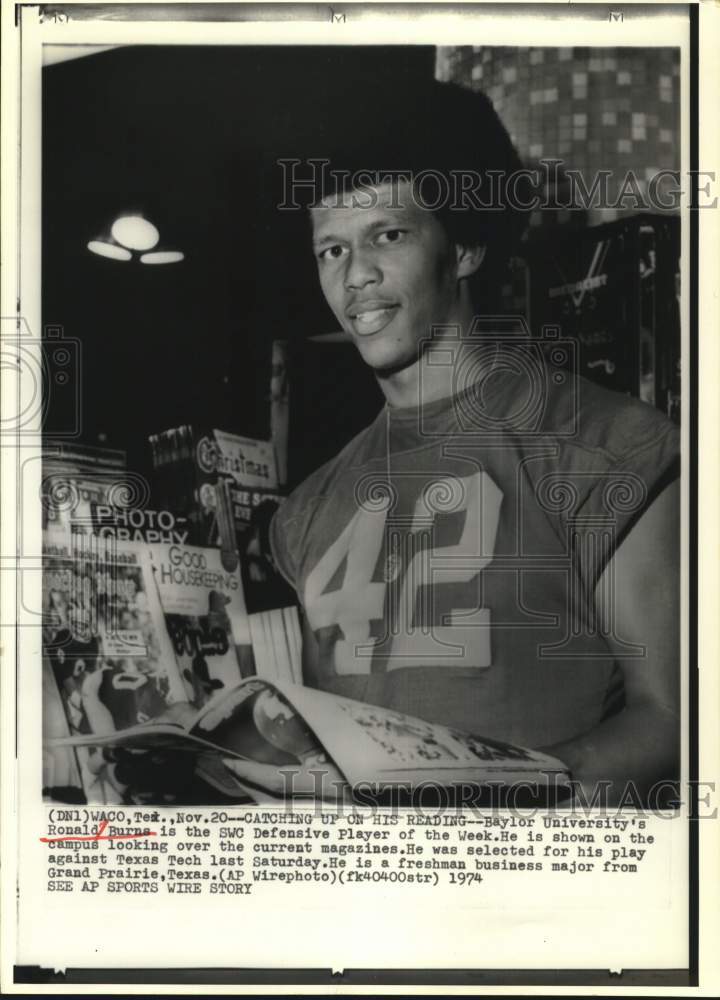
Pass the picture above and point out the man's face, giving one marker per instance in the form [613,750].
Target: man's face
[387,270]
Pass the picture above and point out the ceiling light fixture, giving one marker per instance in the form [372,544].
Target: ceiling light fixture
[111,250]
[135,232]
[162,257]
[132,236]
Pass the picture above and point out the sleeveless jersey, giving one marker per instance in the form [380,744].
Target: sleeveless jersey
[447,558]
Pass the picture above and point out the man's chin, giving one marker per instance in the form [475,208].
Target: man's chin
[385,359]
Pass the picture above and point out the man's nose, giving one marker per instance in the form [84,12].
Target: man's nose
[361,270]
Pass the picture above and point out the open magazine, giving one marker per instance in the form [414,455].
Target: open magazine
[289,727]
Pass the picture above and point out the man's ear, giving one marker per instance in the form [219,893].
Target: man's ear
[469,259]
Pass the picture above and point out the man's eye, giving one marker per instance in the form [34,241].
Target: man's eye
[334,252]
[391,236]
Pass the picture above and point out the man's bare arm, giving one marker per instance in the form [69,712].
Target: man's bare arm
[641,743]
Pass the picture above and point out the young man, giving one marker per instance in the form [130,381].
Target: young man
[498,551]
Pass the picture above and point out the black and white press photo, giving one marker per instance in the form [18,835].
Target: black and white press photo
[388,347]
[357,489]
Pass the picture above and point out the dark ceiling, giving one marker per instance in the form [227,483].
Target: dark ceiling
[190,135]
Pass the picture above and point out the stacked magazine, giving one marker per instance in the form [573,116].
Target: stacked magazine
[277,644]
[213,478]
[205,617]
[104,634]
[74,477]
[134,620]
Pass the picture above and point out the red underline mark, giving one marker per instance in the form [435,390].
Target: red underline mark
[100,835]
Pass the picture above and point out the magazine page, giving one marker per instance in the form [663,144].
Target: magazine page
[214,478]
[206,619]
[69,497]
[374,745]
[250,463]
[255,723]
[252,721]
[105,636]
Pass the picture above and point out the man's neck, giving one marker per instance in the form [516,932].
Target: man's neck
[417,384]
[434,375]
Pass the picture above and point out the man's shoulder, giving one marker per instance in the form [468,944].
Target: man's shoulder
[599,444]
[613,454]
[295,517]
[319,484]
[612,426]
[527,397]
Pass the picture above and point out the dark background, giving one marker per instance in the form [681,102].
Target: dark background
[190,137]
